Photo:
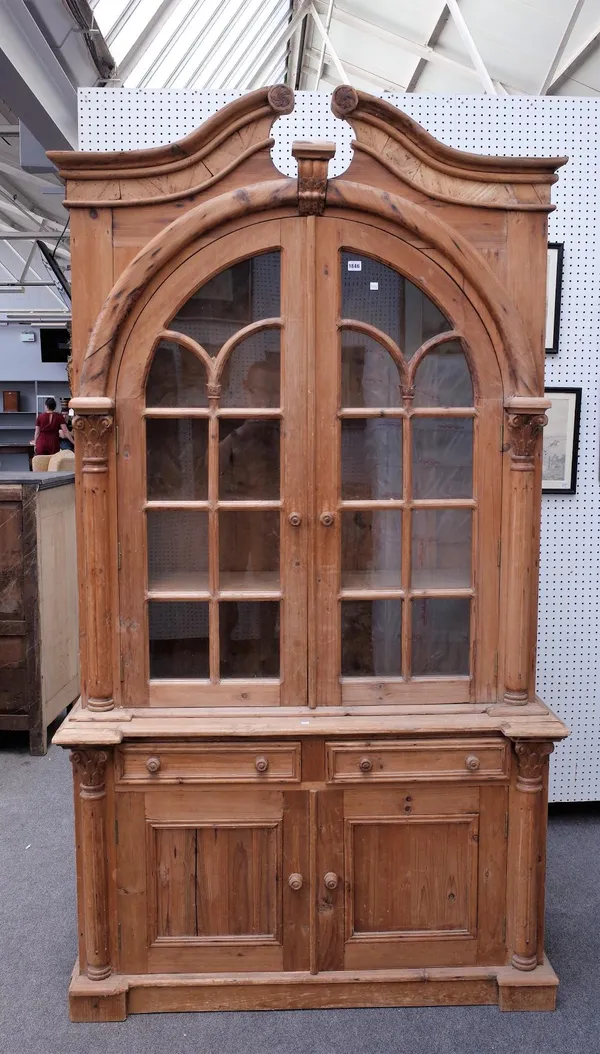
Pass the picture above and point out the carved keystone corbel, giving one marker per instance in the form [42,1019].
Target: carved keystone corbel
[93,428]
[531,763]
[525,418]
[90,769]
[313,160]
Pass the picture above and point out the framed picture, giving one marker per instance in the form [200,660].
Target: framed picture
[561,441]
[553,291]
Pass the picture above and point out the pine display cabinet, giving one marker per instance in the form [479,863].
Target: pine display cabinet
[310,765]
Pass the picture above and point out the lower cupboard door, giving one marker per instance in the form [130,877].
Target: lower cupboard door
[412,877]
[203,880]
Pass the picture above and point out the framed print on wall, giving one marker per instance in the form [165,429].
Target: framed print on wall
[553,289]
[561,441]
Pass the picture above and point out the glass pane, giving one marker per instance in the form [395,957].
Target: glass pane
[249,550]
[252,371]
[371,638]
[375,293]
[440,636]
[243,293]
[371,549]
[442,457]
[176,378]
[249,635]
[443,378]
[177,549]
[369,374]
[371,459]
[177,459]
[178,635]
[248,459]
[441,548]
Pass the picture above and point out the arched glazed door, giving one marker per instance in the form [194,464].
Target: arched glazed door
[309,418]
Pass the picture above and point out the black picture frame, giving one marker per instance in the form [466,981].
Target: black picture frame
[556,251]
[559,471]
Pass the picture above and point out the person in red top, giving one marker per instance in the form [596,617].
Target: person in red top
[50,428]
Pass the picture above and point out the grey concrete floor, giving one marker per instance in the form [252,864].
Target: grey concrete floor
[38,938]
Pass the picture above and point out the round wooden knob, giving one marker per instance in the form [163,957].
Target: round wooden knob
[365,765]
[153,765]
[326,519]
[295,519]
[331,880]
[295,881]
[261,764]
[472,762]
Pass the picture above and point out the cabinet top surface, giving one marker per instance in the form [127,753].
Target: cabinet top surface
[42,480]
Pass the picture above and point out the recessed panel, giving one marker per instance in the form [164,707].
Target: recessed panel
[177,459]
[371,638]
[249,638]
[371,549]
[371,459]
[442,457]
[178,639]
[248,459]
[440,636]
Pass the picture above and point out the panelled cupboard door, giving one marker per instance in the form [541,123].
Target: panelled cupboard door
[411,877]
[408,417]
[212,880]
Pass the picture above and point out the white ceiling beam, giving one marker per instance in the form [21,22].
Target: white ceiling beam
[358,71]
[574,61]
[276,42]
[327,42]
[424,51]
[471,47]
[564,40]
[121,21]
[147,37]
[321,64]
[34,84]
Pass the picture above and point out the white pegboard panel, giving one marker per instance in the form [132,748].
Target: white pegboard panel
[568,671]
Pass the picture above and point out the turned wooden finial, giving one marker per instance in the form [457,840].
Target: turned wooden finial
[313,159]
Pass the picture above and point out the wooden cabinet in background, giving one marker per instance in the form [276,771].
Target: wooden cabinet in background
[310,764]
[39,637]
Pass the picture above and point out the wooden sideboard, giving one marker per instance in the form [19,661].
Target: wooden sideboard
[310,764]
[39,635]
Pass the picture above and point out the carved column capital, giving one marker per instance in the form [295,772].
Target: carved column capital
[94,432]
[530,764]
[313,160]
[90,764]
[524,430]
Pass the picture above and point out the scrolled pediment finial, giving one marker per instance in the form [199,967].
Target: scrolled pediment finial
[281,98]
[344,100]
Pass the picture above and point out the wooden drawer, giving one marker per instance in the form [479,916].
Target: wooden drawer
[432,759]
[209,762]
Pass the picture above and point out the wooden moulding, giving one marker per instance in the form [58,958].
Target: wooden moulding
[114,998]
[403,147]
[179,170]
[525,419]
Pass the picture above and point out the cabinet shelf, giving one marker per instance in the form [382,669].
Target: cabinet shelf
[194,585]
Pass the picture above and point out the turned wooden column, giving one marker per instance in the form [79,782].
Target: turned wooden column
[531,759]
[93,427]
[90,767]
[525,418]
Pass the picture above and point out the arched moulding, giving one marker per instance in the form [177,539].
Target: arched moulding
[455,385]
[262,380]
[179,372]
[180,170]
[346,325]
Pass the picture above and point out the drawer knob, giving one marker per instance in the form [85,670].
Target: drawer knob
[295,519]
[331,880]
[472,762]
[326,519]
[365,765]
[295,881]
[153,765]
[261,764]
